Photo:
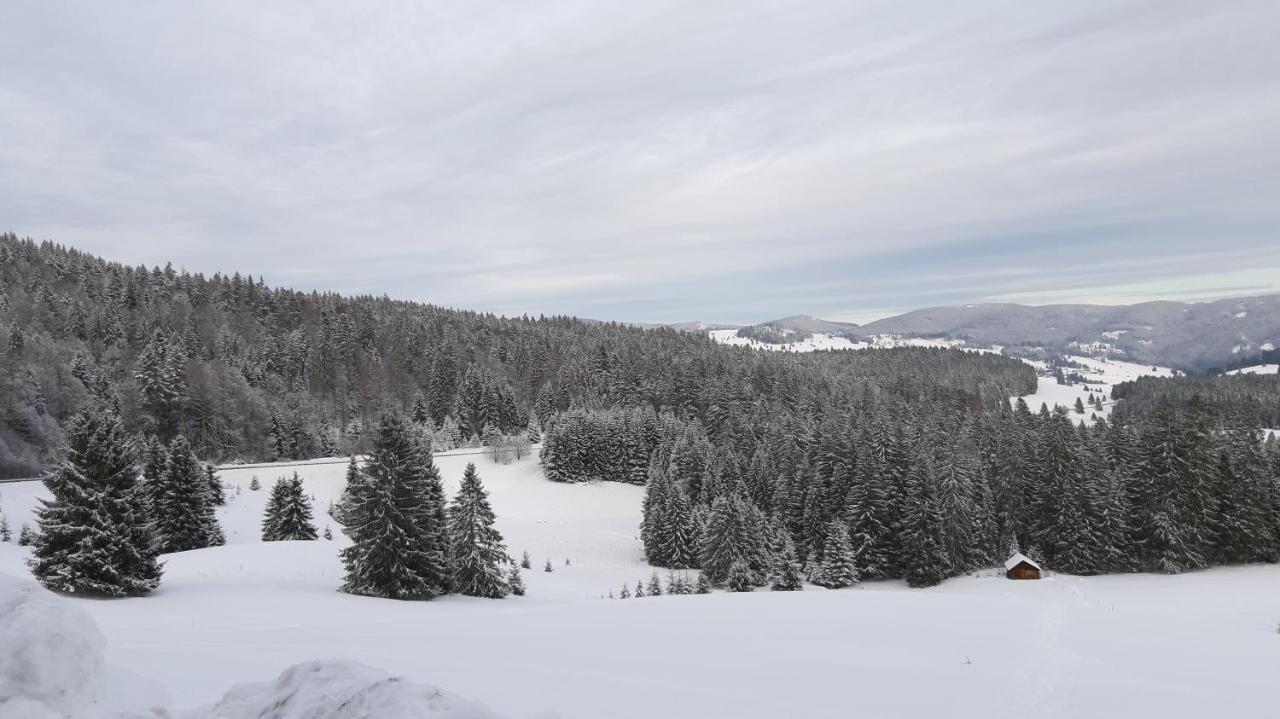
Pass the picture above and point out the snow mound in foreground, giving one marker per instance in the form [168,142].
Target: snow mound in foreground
[50,653]
[338,689]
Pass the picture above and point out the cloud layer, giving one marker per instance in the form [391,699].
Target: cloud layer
[662,161]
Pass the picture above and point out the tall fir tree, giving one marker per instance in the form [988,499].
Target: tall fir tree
[839,559]
[94,536]
[478,551]
[183,512]
[288,512]
[394,515]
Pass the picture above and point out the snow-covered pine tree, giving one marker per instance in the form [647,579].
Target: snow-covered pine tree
[288,515]
[924,560]
[254,484]
[702,586]
[183,513]
[478,550]
[739,577]
[394,515]
[839,560]
[514,581]
[6,534]
[94,536]
[328,532]
[624,593]
[217,494]
[786,568]
[655,585]
[640,593]
[547,567]
[26,536]
[524,561]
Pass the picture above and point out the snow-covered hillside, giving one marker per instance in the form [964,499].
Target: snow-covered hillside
[823,341]
[1258,369]
[1100,376]
[1180,646]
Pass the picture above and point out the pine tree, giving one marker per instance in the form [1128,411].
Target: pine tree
[514,581]
[184,516]
[838,568]
[524,561]
[93,534]
[624,593]
[786,568]
[288,513]
[254,484]
[655,585]
[26,536]
[217,494]
[6,534]
[478,550]
[394,515]
[547,567]
[328,532]
[925,562]
[739,577]
[702,586]
[639,593]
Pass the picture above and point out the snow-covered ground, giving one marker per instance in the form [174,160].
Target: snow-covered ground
[822,341]
[1258,369]
[1100,375]
[1136,645]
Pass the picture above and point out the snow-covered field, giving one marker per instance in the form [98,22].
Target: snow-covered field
[1100,375]
[1137,645]
[1258,369]
[822,341]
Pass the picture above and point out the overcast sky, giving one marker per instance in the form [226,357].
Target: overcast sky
[658,161]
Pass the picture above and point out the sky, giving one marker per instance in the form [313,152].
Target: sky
[658,161]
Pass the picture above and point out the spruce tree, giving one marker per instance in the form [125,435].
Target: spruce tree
[478,550]
[639,593]
[184,516]
[217,494]
[924,560]
[94,536]
[288,514]
[547,567]
[838,568]
[786,568]
[26,536]
[6,534]
[655,585]
[514,581]
[524,561]
[394,515]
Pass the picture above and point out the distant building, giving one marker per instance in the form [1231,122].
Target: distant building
[1020,567]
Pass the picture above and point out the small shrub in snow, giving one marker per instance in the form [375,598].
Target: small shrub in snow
[547,567]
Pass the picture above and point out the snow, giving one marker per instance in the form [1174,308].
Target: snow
[1241,315]
[1100,376]
[1019,558]
[1258,369]
[1141,645]
[1267,347]
[51,659]
[334,689]
[819,341]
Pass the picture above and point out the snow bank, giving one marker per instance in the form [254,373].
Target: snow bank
[336,689]
[50,653]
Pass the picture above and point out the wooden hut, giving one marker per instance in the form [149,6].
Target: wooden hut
[1020,567]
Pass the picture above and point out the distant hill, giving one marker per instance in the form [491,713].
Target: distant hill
[1192,336]
[796,328]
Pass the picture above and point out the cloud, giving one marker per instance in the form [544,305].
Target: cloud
[655,161]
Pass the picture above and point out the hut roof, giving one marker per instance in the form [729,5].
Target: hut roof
[1017,559]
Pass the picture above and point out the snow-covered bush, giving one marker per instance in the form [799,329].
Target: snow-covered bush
[336,689]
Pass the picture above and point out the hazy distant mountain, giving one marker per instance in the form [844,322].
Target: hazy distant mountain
[1191,336]
[796,328]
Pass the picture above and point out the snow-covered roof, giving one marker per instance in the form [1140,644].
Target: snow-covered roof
[1017,559]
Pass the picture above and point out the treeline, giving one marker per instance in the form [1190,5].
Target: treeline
[1246,399]
[889,487]
[249,372]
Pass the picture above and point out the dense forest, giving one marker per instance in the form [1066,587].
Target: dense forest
[1247,399]
[758,466]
